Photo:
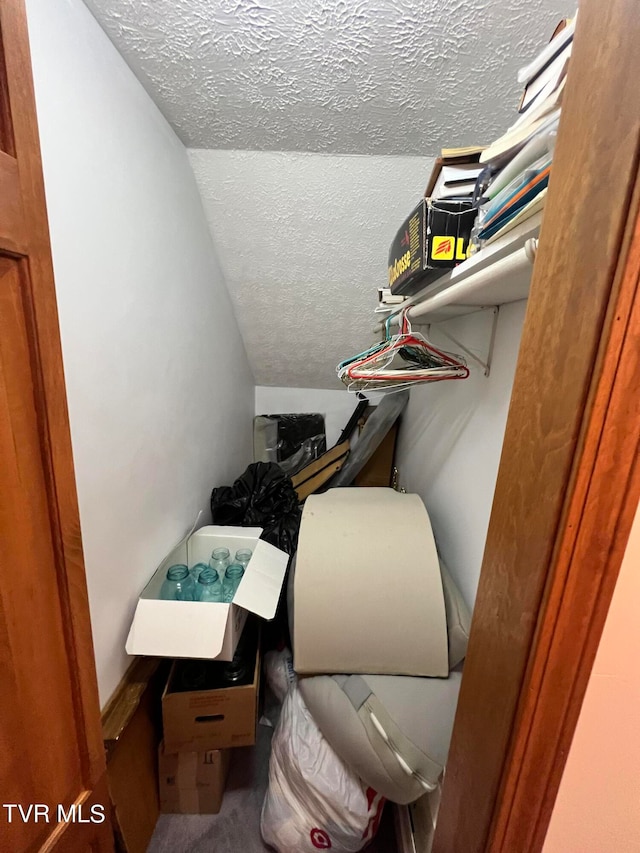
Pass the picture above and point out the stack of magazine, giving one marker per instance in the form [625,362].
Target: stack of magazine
[513,186]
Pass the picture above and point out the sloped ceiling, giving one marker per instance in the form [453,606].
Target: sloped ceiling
[389,80]
[303,239]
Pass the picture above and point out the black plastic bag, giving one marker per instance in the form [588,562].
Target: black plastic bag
[262,497]
[293,441]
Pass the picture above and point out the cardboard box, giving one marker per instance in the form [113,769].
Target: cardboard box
[192,782]
[433,239]
[192,629]
[197,720]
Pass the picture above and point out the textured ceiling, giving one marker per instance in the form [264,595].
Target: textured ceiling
[335,76]
[303,237]
[303,242]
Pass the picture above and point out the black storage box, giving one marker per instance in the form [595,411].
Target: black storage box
[433,239]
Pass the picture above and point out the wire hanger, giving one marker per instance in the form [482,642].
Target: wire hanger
[400,361]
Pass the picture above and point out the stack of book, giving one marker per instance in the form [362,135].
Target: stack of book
[455,173]
[478,194]
[517,166]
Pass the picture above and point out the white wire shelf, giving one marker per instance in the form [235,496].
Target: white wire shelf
[497,274]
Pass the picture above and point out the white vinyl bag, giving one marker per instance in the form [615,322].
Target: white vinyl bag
[314,801]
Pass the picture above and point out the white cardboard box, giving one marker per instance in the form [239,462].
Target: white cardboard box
[193,629]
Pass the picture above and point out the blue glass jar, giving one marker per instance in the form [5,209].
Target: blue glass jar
[209,586]
[178,584]
[197,569]
[232,578]
[243,555]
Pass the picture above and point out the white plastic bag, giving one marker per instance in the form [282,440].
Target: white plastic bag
[278,667]
[314,801]
[280,675]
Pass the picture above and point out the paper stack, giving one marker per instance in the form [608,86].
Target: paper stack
[513,186]
[455,173]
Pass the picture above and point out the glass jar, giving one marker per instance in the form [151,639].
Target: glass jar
[220,559]
[243,555]
[178,585]
[235,670]
[232,578]
[209,586]
[197,569]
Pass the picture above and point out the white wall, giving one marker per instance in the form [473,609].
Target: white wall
[159,388]
[451,439]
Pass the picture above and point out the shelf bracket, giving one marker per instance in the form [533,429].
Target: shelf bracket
[486,364]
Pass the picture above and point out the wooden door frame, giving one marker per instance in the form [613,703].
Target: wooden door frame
[27,238]
[568,482]
[595,531]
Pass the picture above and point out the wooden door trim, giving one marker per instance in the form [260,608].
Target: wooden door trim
[12,236]
[598,522]
[70,837]
[46,354]
[571,319]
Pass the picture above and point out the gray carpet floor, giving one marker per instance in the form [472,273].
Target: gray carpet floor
[236,829]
